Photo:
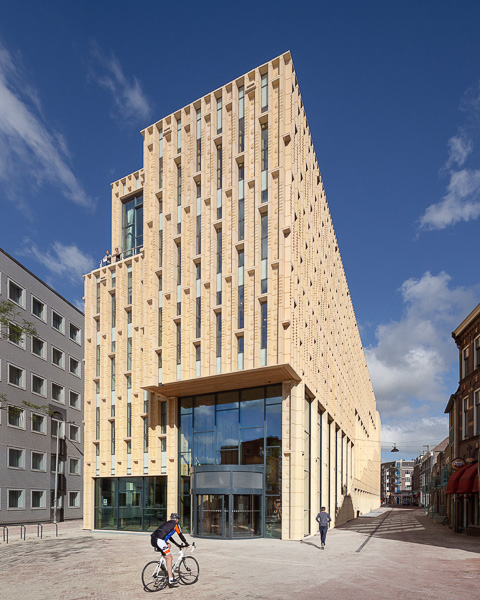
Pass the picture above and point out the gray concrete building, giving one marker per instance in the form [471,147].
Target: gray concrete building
[41,382]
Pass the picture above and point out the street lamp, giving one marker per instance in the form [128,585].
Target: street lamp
[394,449]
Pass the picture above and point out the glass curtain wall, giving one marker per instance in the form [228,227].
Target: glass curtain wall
[130,503]
[240,427]
[132,224]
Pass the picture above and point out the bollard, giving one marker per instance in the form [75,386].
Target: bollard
[40,531]
[23,530]
[5,529]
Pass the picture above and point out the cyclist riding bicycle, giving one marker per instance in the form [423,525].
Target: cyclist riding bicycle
[161,537]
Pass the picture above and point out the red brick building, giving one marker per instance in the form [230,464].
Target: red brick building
[463,409]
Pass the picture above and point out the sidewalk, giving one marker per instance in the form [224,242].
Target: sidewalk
[397,553]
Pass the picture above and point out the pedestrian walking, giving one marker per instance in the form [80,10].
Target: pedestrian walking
[323,519]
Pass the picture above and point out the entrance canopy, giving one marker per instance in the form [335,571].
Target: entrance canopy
[226,381]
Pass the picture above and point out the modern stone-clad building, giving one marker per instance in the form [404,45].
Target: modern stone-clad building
[41,380]
[225,374]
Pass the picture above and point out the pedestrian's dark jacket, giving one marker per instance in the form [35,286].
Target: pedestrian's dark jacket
[165,532]
[323,518]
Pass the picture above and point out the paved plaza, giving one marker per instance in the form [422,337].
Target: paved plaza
[397,553]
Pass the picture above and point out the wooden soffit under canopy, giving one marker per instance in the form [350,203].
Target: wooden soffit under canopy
[226,381]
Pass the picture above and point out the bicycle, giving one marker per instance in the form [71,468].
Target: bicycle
[155,576]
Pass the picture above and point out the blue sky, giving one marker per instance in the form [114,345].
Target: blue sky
[392,94]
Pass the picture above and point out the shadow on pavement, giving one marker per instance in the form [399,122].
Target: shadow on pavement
[413,526]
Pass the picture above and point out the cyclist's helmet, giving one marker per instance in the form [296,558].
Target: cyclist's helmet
[174,516]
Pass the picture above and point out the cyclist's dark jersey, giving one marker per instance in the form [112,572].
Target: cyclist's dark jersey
[166,530]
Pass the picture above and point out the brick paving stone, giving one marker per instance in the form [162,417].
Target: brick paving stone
[398,552]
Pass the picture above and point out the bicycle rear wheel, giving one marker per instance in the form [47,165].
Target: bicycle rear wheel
[188,570]
[154,577]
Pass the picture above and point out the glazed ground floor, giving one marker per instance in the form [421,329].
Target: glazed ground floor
[240,463]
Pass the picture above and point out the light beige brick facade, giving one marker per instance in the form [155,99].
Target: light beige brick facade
[296,282]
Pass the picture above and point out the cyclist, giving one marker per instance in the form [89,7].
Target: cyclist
[161,538]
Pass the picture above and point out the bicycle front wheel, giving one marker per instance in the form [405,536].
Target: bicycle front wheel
[154,577]
[188,570]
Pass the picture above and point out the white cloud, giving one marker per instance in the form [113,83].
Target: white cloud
[413,434]
[413,356]
[27,143]
[462,199]
[62,260]
[129,99]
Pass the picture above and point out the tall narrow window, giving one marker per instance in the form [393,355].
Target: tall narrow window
[129,406]
[219,115]
[129,354]
[160,159]
[219,266]
[97,369]
[476,414]
[114,311]
[132,224]
[179,343]
[241,202]
[179,198]
[112,438]
[264,163]
[198,233]
[98,295]
[219,334]
[145,434]
[97,411]
[198,358]
[199,140]
[240,361]
[263,333]
[219,182]
[264,92]
[241,119]
[241,290]
[179,279]
[112,386]
[465,418]
[160,311]
[198,300]
[129,285]
[264,254]
[464,362]
[179,135]
[160,233]
[476,350]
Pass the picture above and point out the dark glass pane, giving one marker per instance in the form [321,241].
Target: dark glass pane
[155,502]
[186,433]
[227,437]
[227,400]
[252,446]
[204,449]
[273,470]
[247,518]
[273,517]
[274,424]
[204,414]
[186,405]
[185,513]
[210,515]
[273,393]
[252,408]
[130,503]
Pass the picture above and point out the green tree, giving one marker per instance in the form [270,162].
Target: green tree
[14,327]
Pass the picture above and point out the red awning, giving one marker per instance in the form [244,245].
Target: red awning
[465,485]
[454,480]
[475,484]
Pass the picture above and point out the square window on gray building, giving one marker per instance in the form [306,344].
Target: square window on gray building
[38,498]
[38,423]
[74,433]
[75,333]
[16,458]
[16,293]
[39,461]
[38,308]
[74,466]
[16,376]
[38,385]
[16,499]
[74,366]
[58,393]
[39,347]
[58,358]
[58,322]
[16,417]
[75,400]
[74,499]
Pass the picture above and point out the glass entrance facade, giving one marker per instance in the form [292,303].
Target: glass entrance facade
[238,427]
[229,515]
[130,503]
